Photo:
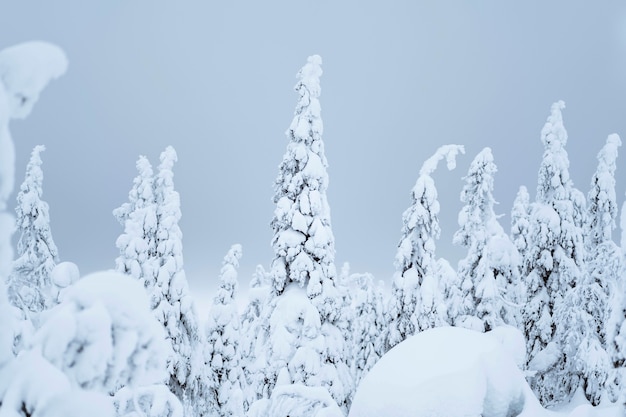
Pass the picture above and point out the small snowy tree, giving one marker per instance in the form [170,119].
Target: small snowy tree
[417,301]
[223,348]
[306,345]
[137,245]
[368,344]
[29,283]
[253,332]
[491,264]
[553,265]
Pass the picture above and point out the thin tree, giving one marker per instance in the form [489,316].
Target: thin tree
[222,354]
[491,265]
[29,284]
[416,300]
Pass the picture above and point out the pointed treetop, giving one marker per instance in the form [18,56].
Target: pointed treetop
[310,74]
[233,256]
[446,151]
[168,158]
[34,167]
[608,153]
[553,132]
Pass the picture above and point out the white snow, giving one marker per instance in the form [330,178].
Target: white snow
[443,372]
[25,69]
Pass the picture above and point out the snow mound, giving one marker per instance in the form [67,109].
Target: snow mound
[25,70]
[445,372]
[64,274]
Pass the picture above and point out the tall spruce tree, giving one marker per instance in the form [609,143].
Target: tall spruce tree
[604,269]
[553,265]
[222,352]
[417,302]
[176,310]
[29,284]
[489,272]
[305,344]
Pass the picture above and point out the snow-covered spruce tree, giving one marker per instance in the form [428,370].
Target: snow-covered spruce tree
[253,330]
[491,265]
[137,245]
[368,342]
[604,269]
[222,351]
[29,284]
[305,346]
[175,309]
[553,265]
[417,302]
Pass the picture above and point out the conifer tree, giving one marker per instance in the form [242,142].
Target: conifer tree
[604,267]
[253,331]
[29,283]
[368,344]
[304,340]
[222,354]
[137,245]
[416,302]
[491,265]
[553,265]
[175,308]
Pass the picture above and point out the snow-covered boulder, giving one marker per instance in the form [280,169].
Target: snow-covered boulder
[447,372]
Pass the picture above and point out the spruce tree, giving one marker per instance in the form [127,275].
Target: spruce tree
[553,265]
[416,302]
[252,331]
[137,245]
[29,284]
[222,353]
[491,265]
[368,344]
[305,343]
[175,309]
[604,269]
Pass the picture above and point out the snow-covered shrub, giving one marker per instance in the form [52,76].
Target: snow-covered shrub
[102,335]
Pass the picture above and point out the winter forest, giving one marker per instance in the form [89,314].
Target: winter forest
[531,322]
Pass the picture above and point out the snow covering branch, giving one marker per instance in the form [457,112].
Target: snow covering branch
[449,152]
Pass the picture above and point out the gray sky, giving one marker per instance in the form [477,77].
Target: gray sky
[215,80]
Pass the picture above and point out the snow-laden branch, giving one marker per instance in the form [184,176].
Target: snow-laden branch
[449,152]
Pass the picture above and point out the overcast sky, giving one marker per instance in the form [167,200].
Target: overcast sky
[215,80]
